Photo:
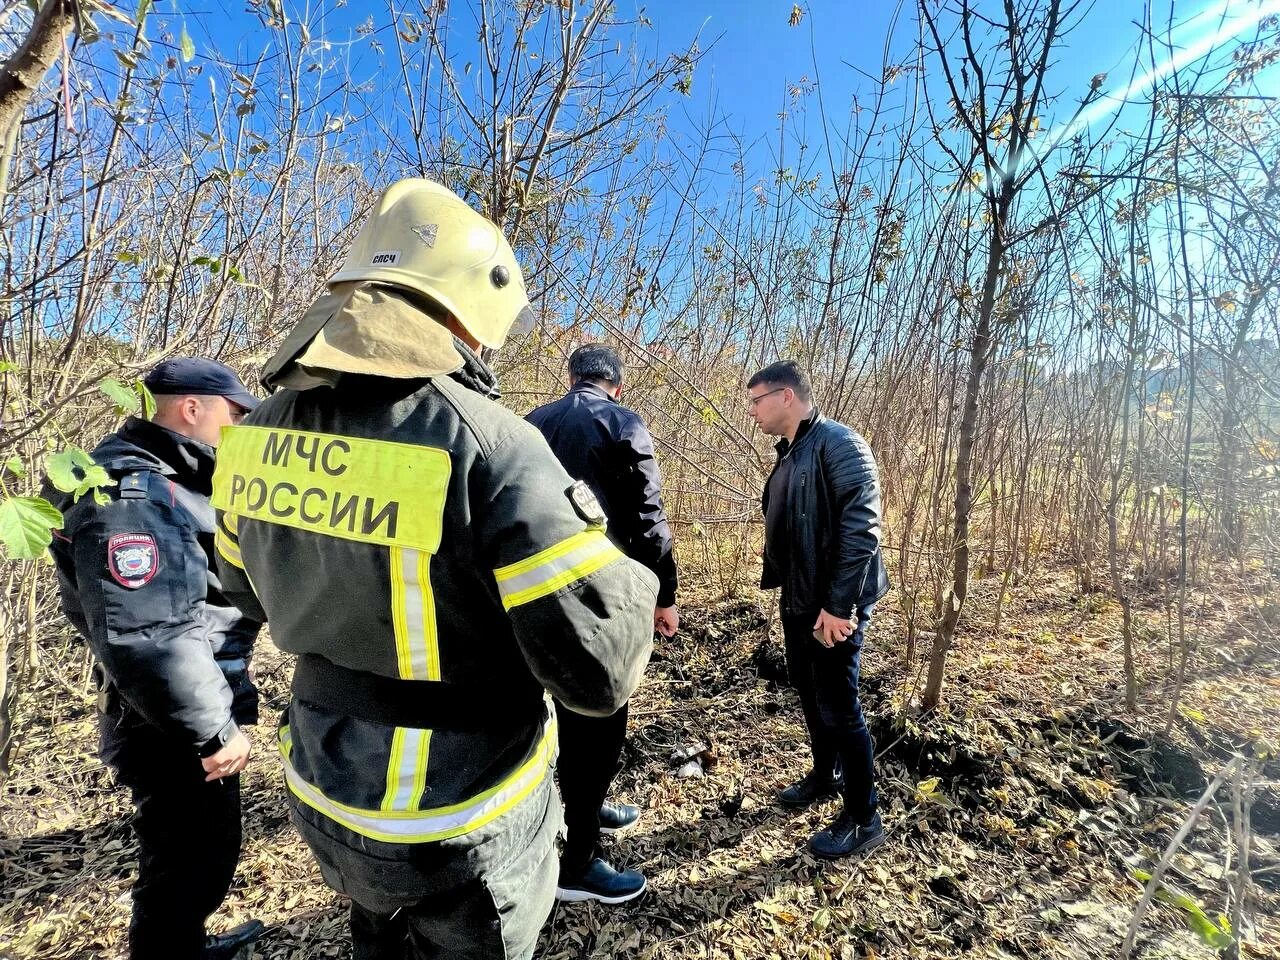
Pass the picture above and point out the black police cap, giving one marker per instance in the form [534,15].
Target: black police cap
[199,376]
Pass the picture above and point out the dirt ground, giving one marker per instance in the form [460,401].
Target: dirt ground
[1018,812]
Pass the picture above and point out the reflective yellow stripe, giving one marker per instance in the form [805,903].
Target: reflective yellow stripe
[545,556]
[439,823]
[420,771]
[557,566]
[231,523]
[430,638]
[413,615]
[407,769]
[404,664]
[393,769]
[227,548]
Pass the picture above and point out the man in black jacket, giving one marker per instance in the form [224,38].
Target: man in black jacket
[601,442]
[139,583]
[822,547]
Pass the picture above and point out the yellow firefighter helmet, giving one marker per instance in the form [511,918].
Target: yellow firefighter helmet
[423,237]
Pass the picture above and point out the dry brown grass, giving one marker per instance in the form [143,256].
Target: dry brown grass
[1045,798]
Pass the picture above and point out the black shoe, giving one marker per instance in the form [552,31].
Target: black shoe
[226,946]
[616,817]
[603,883]
[847,838]
[812,786]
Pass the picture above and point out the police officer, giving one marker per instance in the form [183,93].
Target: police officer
[601,442]
[138,582]
[435,569]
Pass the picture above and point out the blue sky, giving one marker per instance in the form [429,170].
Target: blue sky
[752,57]
[752,54]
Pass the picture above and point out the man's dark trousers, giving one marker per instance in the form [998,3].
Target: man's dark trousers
[188,836]
[827,681]
[590,748]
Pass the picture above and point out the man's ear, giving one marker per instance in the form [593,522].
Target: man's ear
[191,410]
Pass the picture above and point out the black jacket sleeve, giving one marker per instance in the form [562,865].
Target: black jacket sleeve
[853,486]
[141,579]
[640,497]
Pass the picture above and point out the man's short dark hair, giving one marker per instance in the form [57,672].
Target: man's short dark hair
[784,373]
[595,361]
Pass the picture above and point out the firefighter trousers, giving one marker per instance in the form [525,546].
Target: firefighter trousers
[482,896]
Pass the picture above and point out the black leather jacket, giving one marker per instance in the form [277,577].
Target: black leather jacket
[608,446]
[831,555]
[139,583]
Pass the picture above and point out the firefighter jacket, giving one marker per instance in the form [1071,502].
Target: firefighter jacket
[412,534]
[139,582]
[607,445]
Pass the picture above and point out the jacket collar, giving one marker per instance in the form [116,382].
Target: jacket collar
[141,443]
[806,426]
[475,374]
[586,386]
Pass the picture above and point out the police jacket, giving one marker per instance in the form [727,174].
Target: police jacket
[607,445]
[829,556]
[434,567]
[139,582]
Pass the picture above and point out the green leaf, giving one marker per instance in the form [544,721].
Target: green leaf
[73,471]
[144,7]
[8,366]
[1218,937]
[187,46]
[26,524]
[1207,930]
[14,466]
[126,400]
[148,400]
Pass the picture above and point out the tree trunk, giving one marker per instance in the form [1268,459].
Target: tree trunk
[979,354]
[21,74]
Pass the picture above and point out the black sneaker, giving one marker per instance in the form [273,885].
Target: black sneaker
[226,946]
[616,817]
[812,786]
[847,838]
[602,883]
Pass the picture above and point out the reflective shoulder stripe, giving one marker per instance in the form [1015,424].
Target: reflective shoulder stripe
[227,548]
[559,565]
[439,823]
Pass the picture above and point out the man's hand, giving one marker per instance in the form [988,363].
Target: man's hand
[231,759]
[666,620]
[830,629]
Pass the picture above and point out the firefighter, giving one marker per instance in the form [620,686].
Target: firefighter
[139,583]
[437,572]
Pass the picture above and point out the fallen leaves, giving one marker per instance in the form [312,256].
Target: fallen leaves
[1010,814]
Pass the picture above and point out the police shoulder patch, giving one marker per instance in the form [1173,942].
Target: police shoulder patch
[132,559]
[585,504]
